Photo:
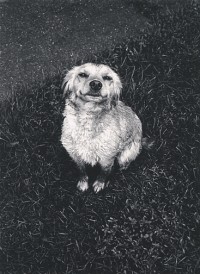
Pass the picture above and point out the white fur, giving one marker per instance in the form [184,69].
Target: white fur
[98,130]
[83,185]
[98,186]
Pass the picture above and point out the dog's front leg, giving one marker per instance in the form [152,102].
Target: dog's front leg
[102,178]
[83,181]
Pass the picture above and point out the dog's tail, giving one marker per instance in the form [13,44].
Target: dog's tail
[147,143]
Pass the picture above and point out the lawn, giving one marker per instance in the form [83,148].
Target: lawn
[148,219]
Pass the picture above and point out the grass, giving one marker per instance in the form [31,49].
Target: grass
[147,220]
[38,34]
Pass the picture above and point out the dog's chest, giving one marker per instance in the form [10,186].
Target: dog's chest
[86,136]
[87,127]
[84,129]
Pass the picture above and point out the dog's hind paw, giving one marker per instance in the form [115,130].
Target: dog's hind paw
[83,185]
[98,186]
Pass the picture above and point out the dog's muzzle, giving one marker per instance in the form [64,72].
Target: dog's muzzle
[95,88]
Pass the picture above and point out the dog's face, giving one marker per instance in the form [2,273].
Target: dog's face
[92,83]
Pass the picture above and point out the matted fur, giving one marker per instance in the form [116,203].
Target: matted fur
[98,127]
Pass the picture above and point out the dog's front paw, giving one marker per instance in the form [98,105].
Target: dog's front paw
[98,185]
[83,184]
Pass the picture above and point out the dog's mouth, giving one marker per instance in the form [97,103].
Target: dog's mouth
[92,96]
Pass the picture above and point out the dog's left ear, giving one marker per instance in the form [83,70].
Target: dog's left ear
[67,84]
[116,91]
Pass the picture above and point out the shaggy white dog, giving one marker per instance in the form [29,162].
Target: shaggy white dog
[98,128]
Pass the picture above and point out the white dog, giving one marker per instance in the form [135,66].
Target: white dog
[98,128]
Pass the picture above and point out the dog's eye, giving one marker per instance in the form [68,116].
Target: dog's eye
[83,75]
[108,78]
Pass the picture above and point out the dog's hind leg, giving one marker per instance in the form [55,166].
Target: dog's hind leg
[129,154]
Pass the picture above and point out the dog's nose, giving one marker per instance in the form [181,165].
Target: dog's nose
[96,85]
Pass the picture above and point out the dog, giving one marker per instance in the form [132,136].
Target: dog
[98,128]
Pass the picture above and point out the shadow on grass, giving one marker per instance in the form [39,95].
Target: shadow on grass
[147,220]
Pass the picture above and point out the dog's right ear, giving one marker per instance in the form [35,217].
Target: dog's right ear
[67,84]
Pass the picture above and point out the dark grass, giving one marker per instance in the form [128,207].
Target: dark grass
[148,219]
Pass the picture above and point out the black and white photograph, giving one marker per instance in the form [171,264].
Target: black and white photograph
[100,137]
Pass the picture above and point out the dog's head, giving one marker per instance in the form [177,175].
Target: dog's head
[93,83]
